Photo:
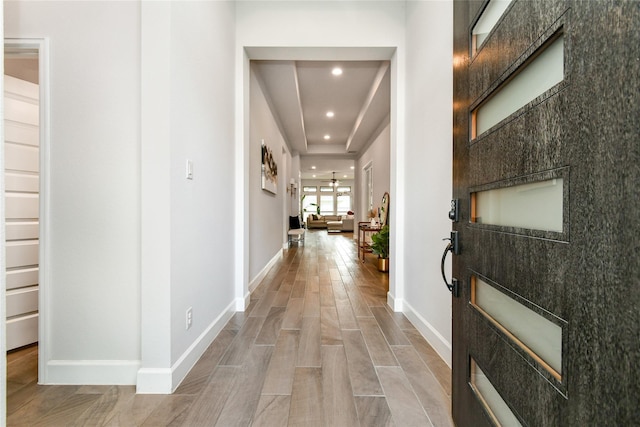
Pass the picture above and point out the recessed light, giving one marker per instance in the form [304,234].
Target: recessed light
[330,114]
[353,167]
[313,167]
[336,71]
[327,137]
[313,176]
[344,176]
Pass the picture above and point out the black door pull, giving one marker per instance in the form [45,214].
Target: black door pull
[454,247]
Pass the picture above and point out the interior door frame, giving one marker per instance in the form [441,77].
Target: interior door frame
[44,293]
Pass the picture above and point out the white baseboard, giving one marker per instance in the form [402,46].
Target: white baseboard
[393,303]
[433,337]
[263,273]
[154,381]
[243,302]
[166,380]
[92,372]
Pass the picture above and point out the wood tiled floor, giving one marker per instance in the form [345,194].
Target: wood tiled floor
[317,347]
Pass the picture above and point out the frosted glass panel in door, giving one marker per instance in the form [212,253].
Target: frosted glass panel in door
[536,334]
[534,206]
[540,75]
[489,18]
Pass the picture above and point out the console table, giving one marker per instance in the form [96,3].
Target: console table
[363,229]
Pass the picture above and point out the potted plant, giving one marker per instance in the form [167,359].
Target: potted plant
[380,247]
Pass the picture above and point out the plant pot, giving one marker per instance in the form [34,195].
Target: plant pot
[383,264]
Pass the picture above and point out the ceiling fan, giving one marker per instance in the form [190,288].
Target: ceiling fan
[333,182]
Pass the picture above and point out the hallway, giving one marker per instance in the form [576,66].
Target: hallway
[317,347]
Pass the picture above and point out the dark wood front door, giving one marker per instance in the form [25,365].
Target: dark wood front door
[547,172]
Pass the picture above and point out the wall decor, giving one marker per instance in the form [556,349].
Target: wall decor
[269,170]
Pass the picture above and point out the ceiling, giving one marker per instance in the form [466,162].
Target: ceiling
[300,93]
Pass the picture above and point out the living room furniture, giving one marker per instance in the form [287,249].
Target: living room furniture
[339,222]
[364,246]
[296,231]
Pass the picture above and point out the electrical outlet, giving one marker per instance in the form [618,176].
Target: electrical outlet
[189,317]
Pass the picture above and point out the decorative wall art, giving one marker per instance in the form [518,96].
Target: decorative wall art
[269,170]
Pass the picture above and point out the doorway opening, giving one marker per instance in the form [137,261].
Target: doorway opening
[26,153]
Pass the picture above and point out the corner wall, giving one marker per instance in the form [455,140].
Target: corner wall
[187,224]
[266,210]
[94,192]
[428,169]
[378,155]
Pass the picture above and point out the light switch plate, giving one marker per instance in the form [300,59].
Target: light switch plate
[189,169]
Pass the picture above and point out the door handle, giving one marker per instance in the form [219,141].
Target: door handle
[454,247]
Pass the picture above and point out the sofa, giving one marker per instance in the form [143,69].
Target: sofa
[331,222]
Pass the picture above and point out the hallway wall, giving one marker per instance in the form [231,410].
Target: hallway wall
[420,130]
[94,240]
[428,169]
[378,154]
[265,209]
[133,243]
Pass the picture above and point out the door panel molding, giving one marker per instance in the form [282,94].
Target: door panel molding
[588,276]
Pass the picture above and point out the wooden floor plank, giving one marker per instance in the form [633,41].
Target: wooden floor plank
[431,395]
[403,403]
[364,380]
[279,377]
[429,356]
[293,314]
[268,366]
[337,395]
[373,411]
[271,327]
[311,304]
[391,331]
[245,394]
[306,400]
[380,352]
[272,411]
[209,404]
[326,296]
[237,351]
[199,375]
[309,349]
[329,327]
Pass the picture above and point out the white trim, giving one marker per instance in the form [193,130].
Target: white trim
[263,273]
[154,381]
[243,302]
[395,304]
[44,294]
[3,279]
[166,381]
[92,372]
[431,334]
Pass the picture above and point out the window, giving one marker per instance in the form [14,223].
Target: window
[326,189]
[326,204]
[309,189]
[344,203]
[343,189]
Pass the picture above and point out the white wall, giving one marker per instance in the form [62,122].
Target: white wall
[94,239]
[378,155]
[267,213]
[136,90]
[428,168]
[202,131]
[187,233]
